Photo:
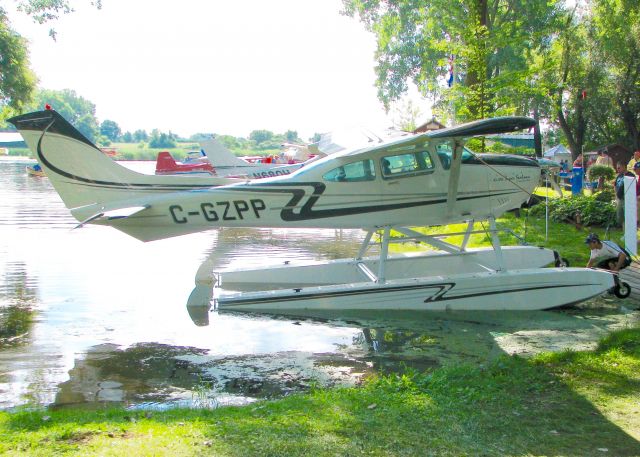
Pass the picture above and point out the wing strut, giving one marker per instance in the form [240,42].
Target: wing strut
[454,177]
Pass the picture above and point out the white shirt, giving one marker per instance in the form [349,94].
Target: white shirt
[605,252]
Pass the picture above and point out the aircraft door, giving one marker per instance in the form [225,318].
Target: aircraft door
[409,175]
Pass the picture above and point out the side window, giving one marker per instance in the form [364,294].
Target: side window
[352,172]
[408,164]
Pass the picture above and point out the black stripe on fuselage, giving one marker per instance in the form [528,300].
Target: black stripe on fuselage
[111,184]
[306,212]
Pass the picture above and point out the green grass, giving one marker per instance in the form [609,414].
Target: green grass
[570,403]
[567,239]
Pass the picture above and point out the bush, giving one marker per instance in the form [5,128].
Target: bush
[582,209]
[601,171]
[496,147]
[605,195]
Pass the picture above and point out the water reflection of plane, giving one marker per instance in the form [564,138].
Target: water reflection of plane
[417,339]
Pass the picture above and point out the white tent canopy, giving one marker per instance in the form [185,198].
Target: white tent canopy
[556,151]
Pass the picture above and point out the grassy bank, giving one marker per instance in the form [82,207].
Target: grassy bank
[567,239]
[572,403]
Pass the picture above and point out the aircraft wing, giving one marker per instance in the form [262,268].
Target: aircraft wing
[459,134]
[491,126]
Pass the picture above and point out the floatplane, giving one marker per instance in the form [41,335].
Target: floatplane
[384,188]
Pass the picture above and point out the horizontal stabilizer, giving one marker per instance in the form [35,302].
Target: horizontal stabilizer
[120,213]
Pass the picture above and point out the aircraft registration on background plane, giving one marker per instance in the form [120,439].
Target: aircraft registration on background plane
[426,179]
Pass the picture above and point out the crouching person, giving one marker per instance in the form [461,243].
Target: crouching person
[606,254]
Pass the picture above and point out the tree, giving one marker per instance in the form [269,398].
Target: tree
[486,43]
[572,69]
[17,81]
[201,136]
[43,11]
[406,115]
[162,140]
[140,135]
[616,34]
[110,129]
[291,136]
[127,137]
[260,136]
[588,81]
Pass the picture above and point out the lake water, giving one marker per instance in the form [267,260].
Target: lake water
[93,317]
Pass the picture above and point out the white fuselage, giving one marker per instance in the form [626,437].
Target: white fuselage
[401,182]
[318,197]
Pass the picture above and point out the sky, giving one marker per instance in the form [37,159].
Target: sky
[213,66]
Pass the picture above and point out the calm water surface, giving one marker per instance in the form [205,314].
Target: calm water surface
[94,317]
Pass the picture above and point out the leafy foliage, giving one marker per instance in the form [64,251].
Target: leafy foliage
[43,11]
[584,209]
[616,36]
[478,145]
[17,81]
[601,171]
[260,136]
[491,44]
[110,129]
[162,140]
[574,65]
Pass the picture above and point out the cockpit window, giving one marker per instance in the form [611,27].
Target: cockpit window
[352,172]
[407,164]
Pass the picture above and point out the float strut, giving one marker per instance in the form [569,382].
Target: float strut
[495,241]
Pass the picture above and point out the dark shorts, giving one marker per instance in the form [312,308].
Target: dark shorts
[604,264]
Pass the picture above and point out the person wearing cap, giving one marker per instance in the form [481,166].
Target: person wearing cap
[635,159]
[605,254]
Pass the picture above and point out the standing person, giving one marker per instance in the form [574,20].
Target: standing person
[605,254]
[578,162]
[604,159]
[634,160]
[621,168]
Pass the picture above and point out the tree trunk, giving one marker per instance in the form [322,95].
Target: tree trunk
[575,132]
[537,137]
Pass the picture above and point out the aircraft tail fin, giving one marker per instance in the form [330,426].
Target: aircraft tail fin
[219,155]
[165,162]
[87,180]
